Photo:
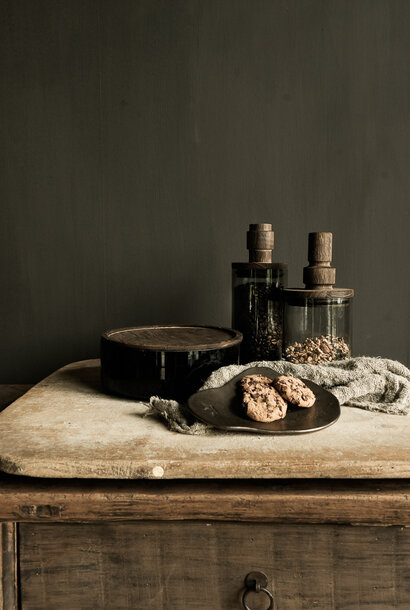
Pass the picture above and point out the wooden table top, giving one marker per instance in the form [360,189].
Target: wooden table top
[65,427]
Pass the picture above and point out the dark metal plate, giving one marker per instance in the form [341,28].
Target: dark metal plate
[222,408]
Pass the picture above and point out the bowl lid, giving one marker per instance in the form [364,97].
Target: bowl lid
[174,338]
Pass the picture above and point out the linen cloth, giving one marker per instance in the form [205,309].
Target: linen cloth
[375,384]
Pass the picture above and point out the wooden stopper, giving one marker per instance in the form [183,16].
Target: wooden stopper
[320,248]
[259,241]
[319,274]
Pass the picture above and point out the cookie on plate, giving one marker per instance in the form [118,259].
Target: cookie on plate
[294,391]
[263,403]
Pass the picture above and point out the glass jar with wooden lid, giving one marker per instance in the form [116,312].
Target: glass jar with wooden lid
[317,321]
[256,297]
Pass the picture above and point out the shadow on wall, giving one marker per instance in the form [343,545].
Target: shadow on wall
[162,301]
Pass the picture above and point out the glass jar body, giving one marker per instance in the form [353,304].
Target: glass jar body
[317,330]
[257,310]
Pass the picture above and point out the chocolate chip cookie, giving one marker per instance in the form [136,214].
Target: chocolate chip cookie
[263,403]
[294,391]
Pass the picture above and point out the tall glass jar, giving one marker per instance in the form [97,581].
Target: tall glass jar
[317,328]
[317,318]
[257,309]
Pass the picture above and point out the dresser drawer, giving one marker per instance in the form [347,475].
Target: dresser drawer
[202,565]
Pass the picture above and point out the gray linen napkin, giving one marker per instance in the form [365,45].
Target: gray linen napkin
[375,384]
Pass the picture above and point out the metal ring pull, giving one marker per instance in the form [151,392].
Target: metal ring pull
[256,582]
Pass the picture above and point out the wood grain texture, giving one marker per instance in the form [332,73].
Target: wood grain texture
[319,273]
[355,502]
[9,594]
[139,141]
[174,338]
[260,241]
[203,565]
[66,427]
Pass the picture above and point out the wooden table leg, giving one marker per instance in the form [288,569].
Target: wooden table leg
[8,567]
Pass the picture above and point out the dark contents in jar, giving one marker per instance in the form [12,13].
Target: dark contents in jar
[258,315]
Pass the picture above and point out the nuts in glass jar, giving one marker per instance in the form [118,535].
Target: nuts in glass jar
[318,350]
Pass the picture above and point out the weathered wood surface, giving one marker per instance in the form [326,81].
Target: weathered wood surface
[202,565]
[66,427]
[171,337]
[8,567]
[353,502]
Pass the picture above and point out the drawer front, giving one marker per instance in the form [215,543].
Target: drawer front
[201,565]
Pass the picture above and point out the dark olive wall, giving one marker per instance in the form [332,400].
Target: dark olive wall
[140,138]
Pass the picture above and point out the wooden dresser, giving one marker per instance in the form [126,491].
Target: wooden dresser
[326,519]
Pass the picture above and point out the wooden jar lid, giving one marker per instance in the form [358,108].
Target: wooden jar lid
[319,277]
[260,241]
[174,338]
